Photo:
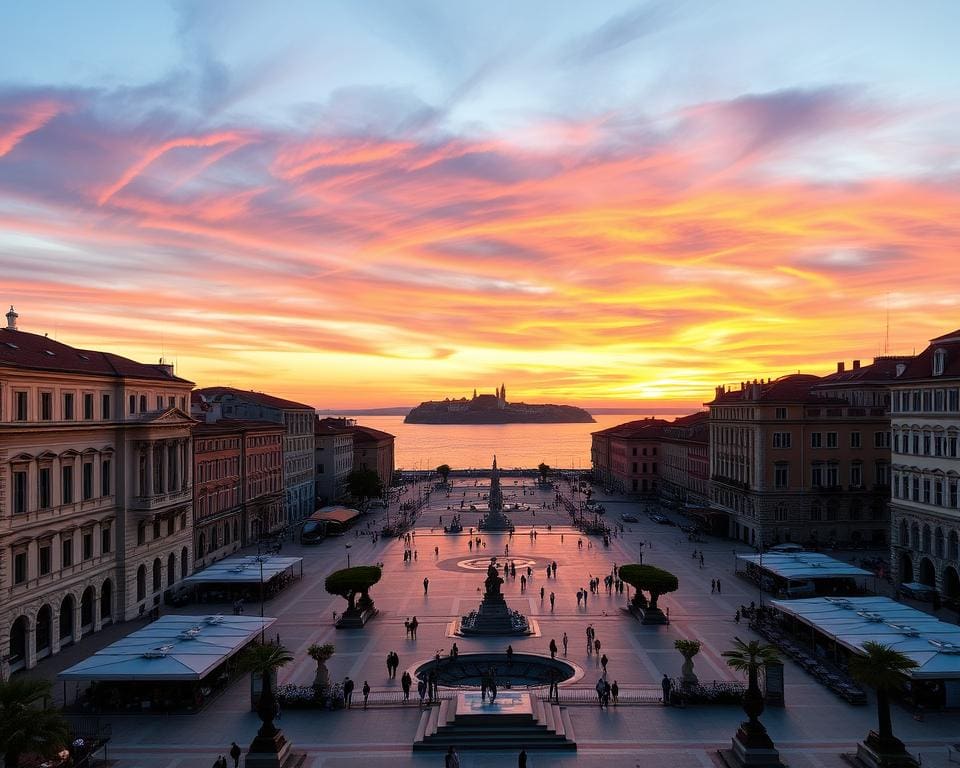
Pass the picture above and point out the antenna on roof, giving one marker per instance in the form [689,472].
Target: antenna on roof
[886,334]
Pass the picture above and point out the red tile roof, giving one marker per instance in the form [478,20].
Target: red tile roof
[30,351]
[921,366]
[363,434]
[649,428]
[794,388]
[331,426]
[881,370]
[259,398]
[231,426]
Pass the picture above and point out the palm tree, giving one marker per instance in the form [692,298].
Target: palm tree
[748,658]
[882,668]
[264,659]
[26,726]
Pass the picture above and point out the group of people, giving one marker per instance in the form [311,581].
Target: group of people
[607,691]
[411,626]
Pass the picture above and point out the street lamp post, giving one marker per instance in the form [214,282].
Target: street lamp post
[347,547]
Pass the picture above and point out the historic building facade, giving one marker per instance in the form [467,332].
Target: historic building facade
[374,449]
[925,424]
[803,458]
[333,458]
[627,457]
[298,442]
[95,491]
[685,460]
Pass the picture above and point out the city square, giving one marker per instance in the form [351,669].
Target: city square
[813,729]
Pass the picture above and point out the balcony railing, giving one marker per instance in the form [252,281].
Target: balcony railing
[159,501]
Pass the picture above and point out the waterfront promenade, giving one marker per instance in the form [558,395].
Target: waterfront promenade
[811,731]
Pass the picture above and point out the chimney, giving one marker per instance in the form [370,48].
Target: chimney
[167,368]
[840,367]
[12,319]
[856,365]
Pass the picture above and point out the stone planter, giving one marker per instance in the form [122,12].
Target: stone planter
[356,618]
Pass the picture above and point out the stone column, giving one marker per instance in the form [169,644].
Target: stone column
[149,472]
[77,628]
[96,610]
[30,657]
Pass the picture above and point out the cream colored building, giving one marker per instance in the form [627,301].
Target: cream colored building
[95,491]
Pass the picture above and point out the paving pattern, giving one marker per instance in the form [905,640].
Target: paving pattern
[812,730]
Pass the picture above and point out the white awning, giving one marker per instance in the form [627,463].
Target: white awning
[171,648]
[851,621]
[803,565]
[243,570]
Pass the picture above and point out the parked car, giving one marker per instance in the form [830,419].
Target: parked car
[629,517]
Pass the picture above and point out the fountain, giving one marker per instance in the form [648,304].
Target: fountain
[494,616]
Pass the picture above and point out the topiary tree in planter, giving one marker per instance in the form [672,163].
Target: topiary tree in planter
[264,659]
[688,649]
[350,582]
[749,657]
[321,654]
[655,581]
[444,471]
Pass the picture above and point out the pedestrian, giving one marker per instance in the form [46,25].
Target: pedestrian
[523,583]
[454,651]
[553,599]
[543,592]
[579,597]
[553,565]
[220,762]
[413,627]
[606,694]
[421,689]
[522,758]
[666,685]
[565,640]
[615,692]
[347,691]
[509,654]
[366,693]
[736,616]
[718,586]
[390,664]
[603,663]
[405,682]
[596,646]
[451,759]
[701,559]
[553,648]
[407,625]
[235,752]
[426,584]
[600,687]
[713,586]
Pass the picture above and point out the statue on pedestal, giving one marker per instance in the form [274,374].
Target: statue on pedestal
[493,581]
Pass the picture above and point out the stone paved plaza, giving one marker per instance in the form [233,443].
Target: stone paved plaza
[811,730]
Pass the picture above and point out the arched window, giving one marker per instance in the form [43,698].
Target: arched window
[141,582]
[106,601]
[157,574]
[44,630]
[171,569]
[183,563]
[953,545]
[915,536]
[86,607]
[904,539]
[66,619]
[926,539]
[938,542]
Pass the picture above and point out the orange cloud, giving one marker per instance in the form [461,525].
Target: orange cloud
[27,120]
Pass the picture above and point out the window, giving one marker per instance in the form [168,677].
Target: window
[833,475]
[156,529]
[171,401]
[87,406]
[141,533]
[44,553]
[781,475]
[46,406]
[20,568]
[19,491]
[106,539]
[143,403]
[882,440]
[854,439]
[87,545]
[856,474]
[66,553]
[20,405]
[105,407]
[159,402]
[170,526]
[133,403]
[68,406]
[66,484]
[781,413]
[816,440]
[926,490]
[816,475]
[832,440]
[781,439]
[105,478]
[816,512]
[43,487]
[87,480]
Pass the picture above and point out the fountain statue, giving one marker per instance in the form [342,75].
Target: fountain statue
[494,617]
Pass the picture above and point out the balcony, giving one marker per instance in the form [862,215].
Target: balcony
[159,502]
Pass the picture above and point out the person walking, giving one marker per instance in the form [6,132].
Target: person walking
[390,664]
[451,759]
[543,593]
[615,692]
[596,647]
[713,586]
[718,586]
[421,690]
[509,654]
[426,584]
[603,663]
[405,682]
[701,559]
[347,692]
[366,693]
[600,687]
[579,597]
[565,641]
[553,648]
[522,758]
[553,599]
[235,753]
[665,686]
[413,627]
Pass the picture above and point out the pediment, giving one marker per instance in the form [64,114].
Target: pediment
[172,416]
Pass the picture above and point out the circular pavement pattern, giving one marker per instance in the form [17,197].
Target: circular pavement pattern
[524,670]
[481,563]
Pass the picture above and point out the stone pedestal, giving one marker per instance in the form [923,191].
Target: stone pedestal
[355,619]
[272,752]
[874,753]
[494,617]
[751,748]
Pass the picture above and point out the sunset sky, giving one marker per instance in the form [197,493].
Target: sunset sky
[375,203]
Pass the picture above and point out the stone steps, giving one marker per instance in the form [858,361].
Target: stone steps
[545,726]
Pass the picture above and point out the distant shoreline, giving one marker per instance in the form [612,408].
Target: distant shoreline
[612,411]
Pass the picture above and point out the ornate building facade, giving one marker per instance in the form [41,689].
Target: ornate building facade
[925,504]
[95,491]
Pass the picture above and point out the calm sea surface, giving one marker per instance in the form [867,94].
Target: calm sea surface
[425,446]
